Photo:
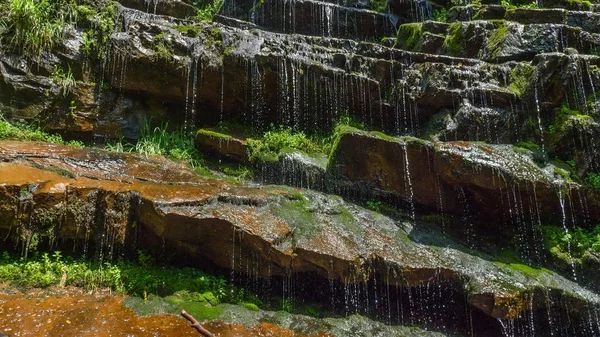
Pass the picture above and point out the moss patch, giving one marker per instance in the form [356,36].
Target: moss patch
[521,77]
[496,41]
[455,40]
[409,36]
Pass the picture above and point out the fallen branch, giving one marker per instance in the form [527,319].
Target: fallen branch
[196,325]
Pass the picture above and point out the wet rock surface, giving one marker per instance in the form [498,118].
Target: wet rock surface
[491,73]
[293,232]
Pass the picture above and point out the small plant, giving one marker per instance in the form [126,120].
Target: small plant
[440,14]
[207,9]
[65,79]
[162,48]
[374,205]
[580,241]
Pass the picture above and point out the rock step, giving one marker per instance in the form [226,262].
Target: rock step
[311,17]
[496,41]
[168,209]
[586,20]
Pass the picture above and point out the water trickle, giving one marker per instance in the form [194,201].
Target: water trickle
[566,229]
[539,119]
[408,182]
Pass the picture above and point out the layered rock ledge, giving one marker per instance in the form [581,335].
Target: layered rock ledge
[96,201]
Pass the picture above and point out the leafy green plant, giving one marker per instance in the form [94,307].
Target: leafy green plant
[207,9]
[101,23]
[162,48]
[440,14]
[581,241]
[273,142]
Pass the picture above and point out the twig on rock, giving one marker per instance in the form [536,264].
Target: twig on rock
[196,325]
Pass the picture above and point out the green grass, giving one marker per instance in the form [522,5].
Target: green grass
[10,131]
[175,144]
[31,27]
[136,278]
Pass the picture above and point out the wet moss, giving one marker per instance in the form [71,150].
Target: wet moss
[409,36]
[190,31]
[566,118]
[520,78]
[496,41]
[213,134]
[298,214]
[455,40]
[162,49]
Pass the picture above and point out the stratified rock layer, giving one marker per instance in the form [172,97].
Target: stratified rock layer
[108,203]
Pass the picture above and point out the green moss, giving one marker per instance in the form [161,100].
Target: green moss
[578,5]
[191,31]
[299,215]
[384,136]
[564,118]
[520,78]
[379,5]
[455,40]
[213,134]
[249,306]
[529,146]
[409,36]
[162,49]
[496,41]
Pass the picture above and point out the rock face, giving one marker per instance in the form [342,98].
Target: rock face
[469,88]
[459,178]
[57,194]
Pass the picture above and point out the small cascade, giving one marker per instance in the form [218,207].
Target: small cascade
[152,4]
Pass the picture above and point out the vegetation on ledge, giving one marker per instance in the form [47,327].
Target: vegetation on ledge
[10,131]
[573,244]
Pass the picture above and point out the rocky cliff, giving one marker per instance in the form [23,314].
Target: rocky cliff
[478,136]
